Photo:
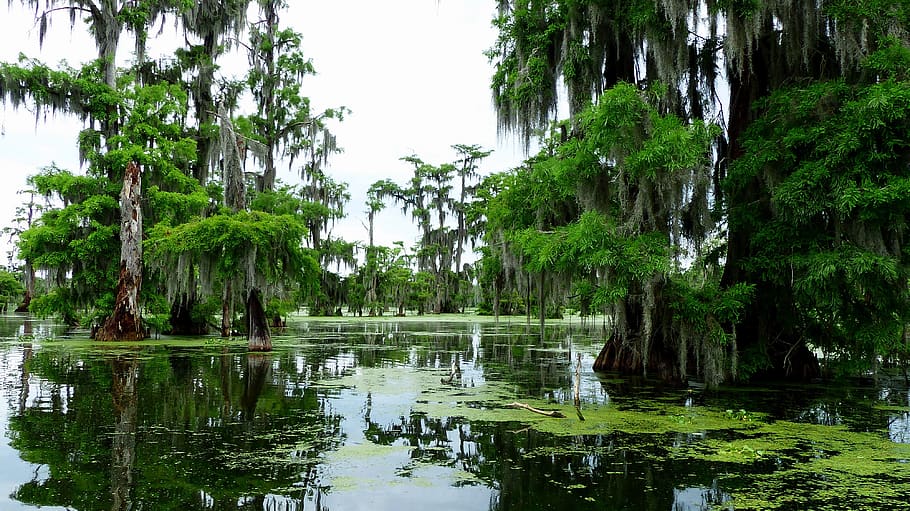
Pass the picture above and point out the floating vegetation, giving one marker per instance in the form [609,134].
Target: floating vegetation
[763,463]
[352,417]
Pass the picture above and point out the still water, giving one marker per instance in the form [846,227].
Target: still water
[350,415]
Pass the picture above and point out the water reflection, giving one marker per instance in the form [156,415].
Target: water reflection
[123,445]
[899,429]
[529,470]
[125,432]
[208,426]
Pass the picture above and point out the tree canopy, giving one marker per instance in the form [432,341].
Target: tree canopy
[727,188]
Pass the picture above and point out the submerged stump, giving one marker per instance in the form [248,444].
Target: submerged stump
[259,337]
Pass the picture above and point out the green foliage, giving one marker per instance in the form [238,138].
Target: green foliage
[433,194]
[81,92]
[891,60]
[74,242]
[285,123]
[76,238]
[833,236]
[707,311]
[270,243]
[607,212]
[11,288]
[57,302]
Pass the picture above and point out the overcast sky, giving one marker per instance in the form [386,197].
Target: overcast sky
[412,72]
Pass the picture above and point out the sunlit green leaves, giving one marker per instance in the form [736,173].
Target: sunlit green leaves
[271,243]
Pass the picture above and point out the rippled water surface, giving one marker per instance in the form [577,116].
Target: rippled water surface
[351,414]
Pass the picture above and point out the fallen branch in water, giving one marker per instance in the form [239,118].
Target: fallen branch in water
[553,413]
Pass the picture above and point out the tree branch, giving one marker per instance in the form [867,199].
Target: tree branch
[553,413]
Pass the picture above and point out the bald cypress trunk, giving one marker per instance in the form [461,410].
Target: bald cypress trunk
[762,328]
[125,323]
[259,337]
[227,309]
[29,271]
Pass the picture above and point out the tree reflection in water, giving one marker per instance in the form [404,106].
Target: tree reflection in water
[529,470]
[163,431]
[207,427]
[123,445]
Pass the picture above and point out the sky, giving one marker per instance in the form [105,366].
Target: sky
[412,72]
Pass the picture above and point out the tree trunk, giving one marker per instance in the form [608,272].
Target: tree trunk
[619,355]
[125,323]
[258,335]
[205,104]
[29,271]
[227,309]
[497,297]
[182,321]
[541,301]
[628,351]
[267,181]
[762,328]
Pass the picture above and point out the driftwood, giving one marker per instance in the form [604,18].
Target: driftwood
[455,372]
[552,413]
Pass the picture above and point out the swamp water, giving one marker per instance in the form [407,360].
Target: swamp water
[351,415]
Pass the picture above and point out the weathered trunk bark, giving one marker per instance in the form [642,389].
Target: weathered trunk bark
[125,322]
[629,351]
[106,28]
[123,448]
[620,356]
[107,36]
[258,335]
